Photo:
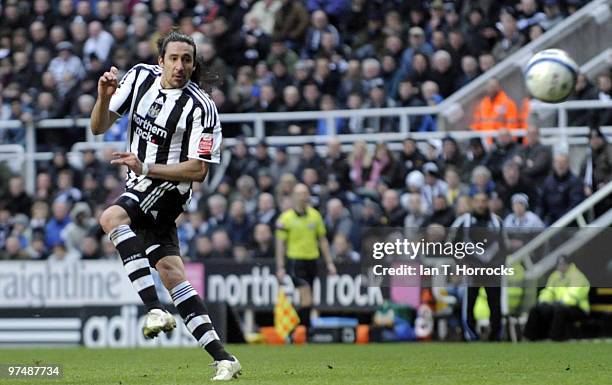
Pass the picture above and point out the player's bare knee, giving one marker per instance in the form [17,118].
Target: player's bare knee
[112,217]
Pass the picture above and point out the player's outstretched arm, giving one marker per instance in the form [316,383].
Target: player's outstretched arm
[101,117]
[191,170]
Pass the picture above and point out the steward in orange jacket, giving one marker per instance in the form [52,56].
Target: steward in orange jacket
[495,110]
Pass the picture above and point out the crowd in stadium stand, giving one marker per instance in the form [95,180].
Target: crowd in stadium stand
[529,185]
[270,55]
[307,55]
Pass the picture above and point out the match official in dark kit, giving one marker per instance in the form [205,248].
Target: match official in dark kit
[484,227]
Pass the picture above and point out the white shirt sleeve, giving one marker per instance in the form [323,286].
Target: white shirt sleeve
[205,143]
[122,98]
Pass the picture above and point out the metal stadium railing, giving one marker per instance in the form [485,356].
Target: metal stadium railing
[568,135]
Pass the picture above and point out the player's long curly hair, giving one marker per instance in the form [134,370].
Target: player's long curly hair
[203,78]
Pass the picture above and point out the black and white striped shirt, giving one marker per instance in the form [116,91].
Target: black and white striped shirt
[166,126]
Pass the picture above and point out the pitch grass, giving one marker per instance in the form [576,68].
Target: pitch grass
[378,364]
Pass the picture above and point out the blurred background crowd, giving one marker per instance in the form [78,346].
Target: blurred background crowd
[269,55]
[529,186]
[284,55]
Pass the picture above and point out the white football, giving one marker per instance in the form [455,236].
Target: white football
[550,75]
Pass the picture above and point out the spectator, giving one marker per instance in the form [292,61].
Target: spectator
[504,150]
[521,224]
[411,157]
[596,168]
[221,244]
[393,214]
[217,206]
[495,110]
[443,74]
[455,187]
[39,217]
[241,161]
[89,248]
[335,9]
[66,68]
[17,199]
[291,23]
[512,40]
[534,158]
[265,11]
[285,186]
[385,168]
[486,61]
[319,26]
[379,99]
[108,249]
[561,191]
[511,184]
[408,96]
[529,15]
[451,155]
[604,93]
[66,191]
[335,163]
[57,224]
[264,242]
[265,181]
[342,250]
[469,71]
[337,219]
[99,41]
[13,250]
[61,255]
[553,14]
[37,250]
[202,249]
[442,214]
[481,181]
[281,163]
[416,216]
[417,43]
[266,210]
[239,223]
[563,301]
[583,90]
[246,191]
[355,124]
[433,186]
[81,223]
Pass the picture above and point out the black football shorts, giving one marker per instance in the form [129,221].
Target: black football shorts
[153,208]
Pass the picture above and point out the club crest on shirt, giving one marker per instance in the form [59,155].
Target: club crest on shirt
[205,145]
[154,110]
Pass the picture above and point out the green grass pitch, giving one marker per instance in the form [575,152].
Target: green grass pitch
[378,364]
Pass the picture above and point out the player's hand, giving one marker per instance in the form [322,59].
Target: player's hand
[128,159]
[107,84]
[331,269]
[280,273]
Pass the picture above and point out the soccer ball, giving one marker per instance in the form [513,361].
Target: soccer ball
[550,75]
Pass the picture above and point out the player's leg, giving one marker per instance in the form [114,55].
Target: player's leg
[116,222]
[467,313]
[195,315]
[494,300]
[303,279]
